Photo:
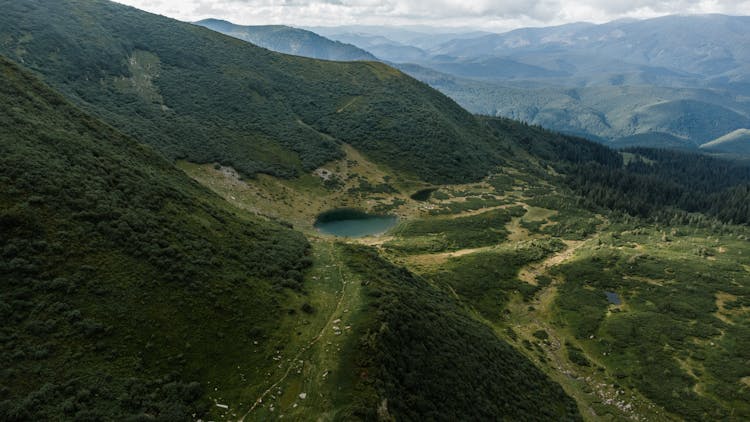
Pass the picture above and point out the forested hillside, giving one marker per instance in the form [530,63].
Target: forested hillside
[429,378]
[648,183]
[205,97]
[121,277]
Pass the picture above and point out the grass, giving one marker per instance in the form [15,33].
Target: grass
[446,234]
[319,354]
[487,272]
[667,341]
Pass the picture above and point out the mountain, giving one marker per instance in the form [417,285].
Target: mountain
[716,55]
[198,95]
[607,114]
[131,292]
[288,40]
[622,79]
[420,36]
[123,281]
[581,79]
[736,142]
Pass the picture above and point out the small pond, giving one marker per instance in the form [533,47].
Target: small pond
[347,222]
[613,298]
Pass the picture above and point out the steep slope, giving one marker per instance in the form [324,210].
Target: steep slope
[199,95]
[123,281]
[736,142]
[288,40]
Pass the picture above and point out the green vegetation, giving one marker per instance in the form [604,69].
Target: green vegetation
[131,292]
[443,234]
[126,287]
[674,338]
[487,280]
[423,194]
[419,346]
[471,203]
[657,184]
[206,97]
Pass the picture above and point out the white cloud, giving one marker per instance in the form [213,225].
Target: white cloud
[480,14]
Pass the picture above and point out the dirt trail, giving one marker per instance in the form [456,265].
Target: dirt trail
[478,211]
[431,259]
[306,347]
[530,272]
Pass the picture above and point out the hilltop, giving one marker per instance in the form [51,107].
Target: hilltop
[195,94]
[288,40]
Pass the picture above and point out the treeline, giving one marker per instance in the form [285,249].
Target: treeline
[644,182]
[661,182]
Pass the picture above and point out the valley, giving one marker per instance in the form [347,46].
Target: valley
[522,282]
[196,228]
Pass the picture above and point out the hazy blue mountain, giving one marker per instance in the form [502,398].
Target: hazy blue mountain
[626,115]
[288,40]
[737,142]
[656,82]
[671,46]
[421,36]
[397,44]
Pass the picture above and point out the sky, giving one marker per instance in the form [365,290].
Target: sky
[490,15]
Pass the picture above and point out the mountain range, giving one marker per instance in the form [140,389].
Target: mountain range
[628,82]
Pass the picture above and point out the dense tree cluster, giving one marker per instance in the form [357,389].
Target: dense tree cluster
[420,346]
[652,183]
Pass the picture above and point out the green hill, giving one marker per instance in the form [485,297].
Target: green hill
[428,379]
[205,97]
[126,286]
[288,40]
[736,142]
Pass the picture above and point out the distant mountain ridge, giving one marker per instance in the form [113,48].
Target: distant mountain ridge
[288,40]
[716,53]
[656,82]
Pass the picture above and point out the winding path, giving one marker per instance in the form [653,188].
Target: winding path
[305,348]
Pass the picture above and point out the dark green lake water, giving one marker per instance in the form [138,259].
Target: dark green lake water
[357,227]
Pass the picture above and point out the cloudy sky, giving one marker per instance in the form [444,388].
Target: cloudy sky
[494,15]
